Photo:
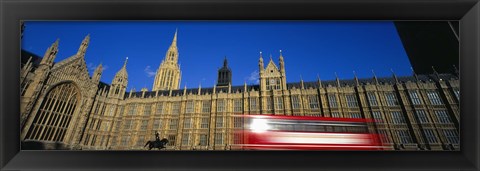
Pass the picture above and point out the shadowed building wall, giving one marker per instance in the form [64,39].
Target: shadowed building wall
[430,43]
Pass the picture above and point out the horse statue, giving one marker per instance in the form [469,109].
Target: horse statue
[156,144]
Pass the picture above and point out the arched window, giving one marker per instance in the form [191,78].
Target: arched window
[53,117]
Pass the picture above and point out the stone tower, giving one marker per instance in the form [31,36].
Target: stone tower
[119,83]
[168,74]
[272,85]
[41,74]
[97,74]
[224,74]
[272,77]
[83,47]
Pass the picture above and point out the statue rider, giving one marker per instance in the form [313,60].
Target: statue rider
[157,136]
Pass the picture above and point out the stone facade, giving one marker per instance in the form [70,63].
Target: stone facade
[62,103]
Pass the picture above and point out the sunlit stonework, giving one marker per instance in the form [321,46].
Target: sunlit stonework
[62,104]
[168,74]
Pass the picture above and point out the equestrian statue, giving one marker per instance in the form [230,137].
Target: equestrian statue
[157,143]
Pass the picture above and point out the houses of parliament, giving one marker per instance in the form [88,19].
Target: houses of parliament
[63,104]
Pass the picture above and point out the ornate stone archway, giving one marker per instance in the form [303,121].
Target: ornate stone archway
[55,113]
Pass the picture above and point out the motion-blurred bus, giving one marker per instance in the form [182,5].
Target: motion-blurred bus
[270,132]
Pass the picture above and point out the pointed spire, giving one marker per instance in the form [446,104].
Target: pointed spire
[185,90]
[245,86]
[169,62]
[171,56]
[414,74]
[174,42]
[55,50]
[143,90]
[121,74]
[436,73]
[50,53]
[394,75]
[375,77]
[225,62]
[301,82]
[214,87]
[199,88]
[97,73]
[83,47]
[260,62]
[280,59]
[337,80]
[282,65]
[56,42]
[99,68]
[131,91]
[319,81]
[125,63]
[271,57]
[356,78]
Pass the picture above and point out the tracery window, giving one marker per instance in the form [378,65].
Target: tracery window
[372,99]
[351,100]
[295,102]
[190,106]
[238,105]
[206,106]
[278,103]
[313,100]
[391,99]
[332,100]
[434,98]
[56,111]
[415,98]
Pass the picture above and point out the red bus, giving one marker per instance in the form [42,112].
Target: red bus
[270,132]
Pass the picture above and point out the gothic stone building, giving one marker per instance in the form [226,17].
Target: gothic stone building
[62,103]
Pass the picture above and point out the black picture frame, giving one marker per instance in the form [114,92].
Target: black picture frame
[12,12]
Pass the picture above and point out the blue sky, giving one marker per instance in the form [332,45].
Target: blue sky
[309,48]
